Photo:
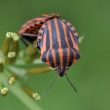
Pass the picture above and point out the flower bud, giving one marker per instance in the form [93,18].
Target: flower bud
[10,43]
[8,35]
[11,81]
[36,96]
[14,36]
[38,70]
[4,91]
[11,54]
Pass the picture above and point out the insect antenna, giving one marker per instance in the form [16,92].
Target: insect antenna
[50,84]
[70,83]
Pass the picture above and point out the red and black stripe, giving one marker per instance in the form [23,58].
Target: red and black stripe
[61,44]
[31,28]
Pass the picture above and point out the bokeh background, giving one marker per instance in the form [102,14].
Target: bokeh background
[90,75]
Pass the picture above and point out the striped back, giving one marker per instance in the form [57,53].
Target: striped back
[59,47]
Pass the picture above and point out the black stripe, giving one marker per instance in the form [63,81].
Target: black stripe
[63,42]
[77,54]
[76,39]
[57,57]
[43,58]
[47,39]
[54,35]
[51,59]
[71,57]
[69,38]
[64,56]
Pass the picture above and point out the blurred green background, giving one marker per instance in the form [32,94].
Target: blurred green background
[90,75]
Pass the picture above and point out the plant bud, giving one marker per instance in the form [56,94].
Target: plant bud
[36,96]
[4,91]
[11,81]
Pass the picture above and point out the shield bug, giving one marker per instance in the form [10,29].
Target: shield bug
[30,29]
[57,40]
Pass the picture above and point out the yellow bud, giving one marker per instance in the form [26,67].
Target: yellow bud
[4,91]
[11,54]
[36,96]
[38,70]
[11,81]
[8,35]
[14,36]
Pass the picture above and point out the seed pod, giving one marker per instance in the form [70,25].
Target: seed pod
[9,60]
[1,67]
[29,59]
[28,90]
[31,50]
[13,75]
[14,46]
[5,46]
[38,70]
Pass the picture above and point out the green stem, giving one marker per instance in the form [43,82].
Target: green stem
[19,71]
[20,94]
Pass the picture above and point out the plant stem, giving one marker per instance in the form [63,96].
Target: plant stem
[19,93]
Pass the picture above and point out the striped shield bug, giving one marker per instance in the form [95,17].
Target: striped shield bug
[57,40]
[30,29]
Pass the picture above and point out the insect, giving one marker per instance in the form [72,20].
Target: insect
[30,29]
[57,40]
